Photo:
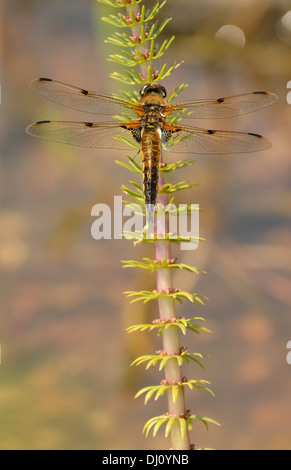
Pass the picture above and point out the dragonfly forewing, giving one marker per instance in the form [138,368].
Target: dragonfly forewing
[230,106]
[83,100]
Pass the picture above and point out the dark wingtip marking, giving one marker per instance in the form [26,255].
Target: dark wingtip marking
[209,131]
[45,79]
[255,135]
[260,93]
[42,122]
[220,100]
[85,92]
[89,124]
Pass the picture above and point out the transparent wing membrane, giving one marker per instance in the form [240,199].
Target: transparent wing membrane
[230,106]
[84,134]
[195,140]
[82,100]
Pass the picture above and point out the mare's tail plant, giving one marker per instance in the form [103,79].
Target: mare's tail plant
[136,35]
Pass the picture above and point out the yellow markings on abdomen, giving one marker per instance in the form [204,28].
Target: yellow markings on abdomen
[150,147]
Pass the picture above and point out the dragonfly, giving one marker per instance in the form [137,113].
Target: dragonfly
[150,123]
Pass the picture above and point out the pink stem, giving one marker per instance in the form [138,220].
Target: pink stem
[167,310]
[170,337]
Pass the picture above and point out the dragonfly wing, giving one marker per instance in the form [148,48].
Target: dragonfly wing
[230,106]
[85,134]
[194,140]
[83,100]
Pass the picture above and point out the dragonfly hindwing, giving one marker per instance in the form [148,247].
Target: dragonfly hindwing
[136,133]
[167,134]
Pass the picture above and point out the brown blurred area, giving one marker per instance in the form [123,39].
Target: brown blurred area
[65,376]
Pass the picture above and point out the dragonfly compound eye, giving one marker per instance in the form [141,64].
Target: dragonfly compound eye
[162,91]
[144,89]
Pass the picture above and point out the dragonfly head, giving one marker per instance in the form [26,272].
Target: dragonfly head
[153,88]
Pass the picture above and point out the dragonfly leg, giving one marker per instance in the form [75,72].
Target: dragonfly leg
[137,153]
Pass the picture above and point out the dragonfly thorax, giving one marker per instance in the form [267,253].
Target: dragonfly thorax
[152,116]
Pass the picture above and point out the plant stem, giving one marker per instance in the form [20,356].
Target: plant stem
[167,309]
[170,336]
[144,49]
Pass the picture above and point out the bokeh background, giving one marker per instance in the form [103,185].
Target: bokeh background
[65,354]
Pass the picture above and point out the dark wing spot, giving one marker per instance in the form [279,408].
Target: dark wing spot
[220,100]
[45,79]
[89,124]
[42,122]
[209,131]
[136,134]
[255,135]
[167,134]
[260,93]
[85,92]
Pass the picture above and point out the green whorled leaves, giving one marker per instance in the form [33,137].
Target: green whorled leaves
[169,188]
[136,167]
[131,166]
[131,60]
[137,196]
[141,43]
[146,296]
[137,204]
[159,390]
[124,40]
[203,419]
[129,96]
[120,21]
[131,77]
[156,422]
[182,323]
[153,359]
[176,139]
[176,91]
[153,265]
[177,165]
[141,237]
[119,3]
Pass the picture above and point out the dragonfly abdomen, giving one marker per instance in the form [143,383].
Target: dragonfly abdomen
[150,148]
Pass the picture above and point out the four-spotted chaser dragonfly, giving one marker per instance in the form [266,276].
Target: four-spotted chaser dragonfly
[149,124]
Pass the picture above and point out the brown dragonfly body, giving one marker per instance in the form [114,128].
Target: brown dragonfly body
[149,124]
[152,129]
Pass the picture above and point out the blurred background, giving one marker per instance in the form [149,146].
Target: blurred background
[65,354]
